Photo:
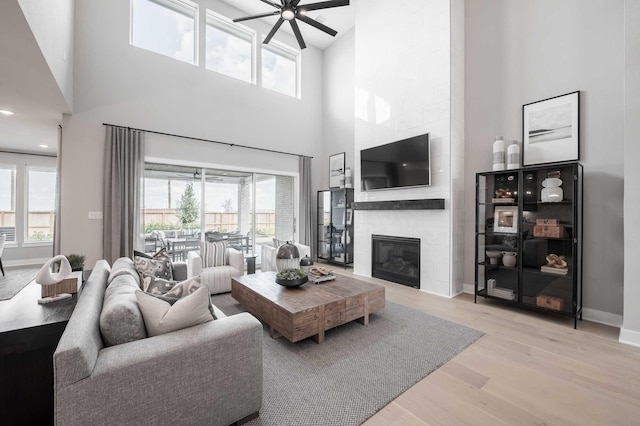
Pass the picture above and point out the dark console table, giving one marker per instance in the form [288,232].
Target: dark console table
[29,334]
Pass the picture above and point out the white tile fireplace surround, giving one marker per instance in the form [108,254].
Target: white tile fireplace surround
[430,226]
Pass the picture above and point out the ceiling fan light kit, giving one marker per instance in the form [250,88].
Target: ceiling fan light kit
[289,10]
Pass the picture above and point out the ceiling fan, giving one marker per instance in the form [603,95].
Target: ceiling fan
[290,10]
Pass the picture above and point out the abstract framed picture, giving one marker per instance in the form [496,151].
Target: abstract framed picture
[551,130]
[505,219]
[336,168]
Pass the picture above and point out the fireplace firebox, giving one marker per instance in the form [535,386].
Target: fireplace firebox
[396,259]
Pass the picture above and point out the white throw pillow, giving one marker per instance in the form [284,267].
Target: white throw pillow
[162,317]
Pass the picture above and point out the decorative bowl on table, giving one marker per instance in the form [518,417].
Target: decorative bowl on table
[291,277]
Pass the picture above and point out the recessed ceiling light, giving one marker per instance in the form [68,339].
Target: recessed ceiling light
[43,146]
[321,18]
[6,112]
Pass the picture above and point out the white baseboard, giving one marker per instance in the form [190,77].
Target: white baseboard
[629,337]
[25,262]
[593,315]
[601,317]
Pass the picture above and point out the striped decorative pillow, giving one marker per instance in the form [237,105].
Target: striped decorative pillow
[213,253]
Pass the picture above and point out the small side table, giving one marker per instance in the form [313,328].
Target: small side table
[251,263]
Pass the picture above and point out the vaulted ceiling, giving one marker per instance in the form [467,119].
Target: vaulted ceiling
[28,88]
[340,19]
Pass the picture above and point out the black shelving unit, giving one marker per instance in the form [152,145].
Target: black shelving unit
[512,217]
[335,226]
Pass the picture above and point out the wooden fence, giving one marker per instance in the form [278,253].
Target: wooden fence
[223,222]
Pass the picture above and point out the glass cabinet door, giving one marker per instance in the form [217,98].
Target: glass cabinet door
[338,220]
[497,231]
[324,224]
[548,238]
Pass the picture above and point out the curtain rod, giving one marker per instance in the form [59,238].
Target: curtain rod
[207,140]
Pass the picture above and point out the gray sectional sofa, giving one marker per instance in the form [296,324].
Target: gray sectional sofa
[207,374]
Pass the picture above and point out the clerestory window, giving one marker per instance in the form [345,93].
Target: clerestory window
[280,69]
[168,27]
[230,48]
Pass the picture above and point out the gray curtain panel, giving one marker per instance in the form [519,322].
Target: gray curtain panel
[306,204]
[56,219]
[124,167]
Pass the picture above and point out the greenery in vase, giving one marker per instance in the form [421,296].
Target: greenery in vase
[291,274]
[76,261]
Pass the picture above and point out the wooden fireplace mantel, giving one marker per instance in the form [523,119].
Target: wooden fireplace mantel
[423,204]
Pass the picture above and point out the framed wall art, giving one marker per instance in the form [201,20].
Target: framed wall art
[551,130]
[505,219]
[336,168]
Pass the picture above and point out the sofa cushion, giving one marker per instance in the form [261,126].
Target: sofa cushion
[123,266]
[158,265]
[213,253]
[164,314]
[120,319]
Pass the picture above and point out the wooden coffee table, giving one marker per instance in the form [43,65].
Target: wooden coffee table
[308,310]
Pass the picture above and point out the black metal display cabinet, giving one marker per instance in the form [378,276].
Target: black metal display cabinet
[529,237]
[335,225]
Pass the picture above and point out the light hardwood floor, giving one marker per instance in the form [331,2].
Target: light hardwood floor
[529,368]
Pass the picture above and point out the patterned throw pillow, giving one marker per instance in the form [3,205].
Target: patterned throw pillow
[159,265]
[155,285]
[213,253]
[189,305]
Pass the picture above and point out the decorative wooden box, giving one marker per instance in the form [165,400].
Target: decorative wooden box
[68,285]
[544,222]
[550,302]
[549,231]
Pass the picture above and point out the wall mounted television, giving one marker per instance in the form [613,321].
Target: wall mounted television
[400,164]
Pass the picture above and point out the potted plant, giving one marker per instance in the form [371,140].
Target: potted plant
[76,261]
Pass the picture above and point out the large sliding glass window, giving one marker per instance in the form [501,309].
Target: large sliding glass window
[231,207]
[172,198]
[41,196]
[8,201]
[168,27]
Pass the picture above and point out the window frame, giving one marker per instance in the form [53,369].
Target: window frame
[178,6]
[26,240]
[12,167]
[227,25]
[287,52]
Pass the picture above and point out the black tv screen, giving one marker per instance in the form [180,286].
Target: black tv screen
[396,165]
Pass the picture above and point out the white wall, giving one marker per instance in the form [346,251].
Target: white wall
[20,252]
[52,25]
[630,332]
[521,52]
[338,103]
[403,79]
[120,84]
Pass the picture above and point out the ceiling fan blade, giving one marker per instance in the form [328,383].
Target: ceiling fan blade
[317,24]
[296,31]
[269,2]
[323,5]
[262,15]
[273,31]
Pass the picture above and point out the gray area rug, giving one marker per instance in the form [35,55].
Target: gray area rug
[15,280]
[357,370]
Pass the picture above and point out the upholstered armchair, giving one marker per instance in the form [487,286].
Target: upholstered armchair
[217,278]
[3,238]
[268,256]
